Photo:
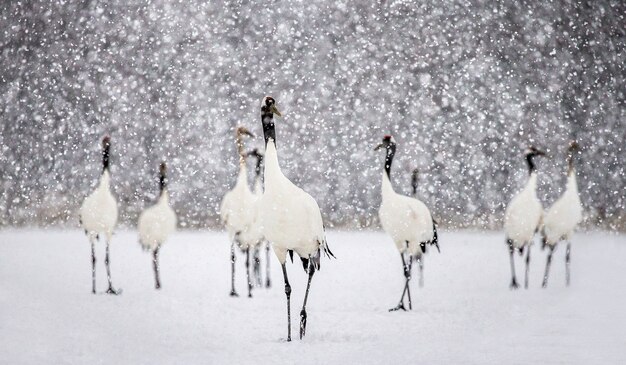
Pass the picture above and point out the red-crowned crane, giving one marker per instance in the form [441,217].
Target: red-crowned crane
[290,218]
[238,212]
[523,217]
[563,216]
[98,216]
[407,220]
[157,223]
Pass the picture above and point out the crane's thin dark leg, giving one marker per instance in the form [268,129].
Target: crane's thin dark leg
[93,265]
[407,276]
[268,282]
[233,293]
[408,289]
[511,253]
[544,284]
[306,296]
[527,265]
[420,261]
[257,265]
[288,294]
[248,272]
[155,265]
[107,262]
[567,258]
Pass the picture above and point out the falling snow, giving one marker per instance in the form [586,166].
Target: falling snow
[464,87]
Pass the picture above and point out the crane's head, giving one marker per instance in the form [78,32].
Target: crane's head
[106,141]
[573,146]
[532,152]
[268,110]
[268,105]
[243,131]
[387,142]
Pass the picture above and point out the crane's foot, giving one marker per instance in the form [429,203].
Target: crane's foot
[513,285]
[268,283]
[233,294]
[302,323]
[398,307]
[113,291]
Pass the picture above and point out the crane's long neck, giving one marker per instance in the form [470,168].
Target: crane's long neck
[531,163]
[570,161]
[258,167]
[162,182]
[272,168]
[414,181]
[240,150]
[531,184]
[267,118]
[106,149]
[386,186]
[391,152]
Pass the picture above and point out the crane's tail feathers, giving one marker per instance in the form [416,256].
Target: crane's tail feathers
[290,255]
[326,249]
[305,264]
[435,240]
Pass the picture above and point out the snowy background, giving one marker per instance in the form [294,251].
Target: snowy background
[464,86]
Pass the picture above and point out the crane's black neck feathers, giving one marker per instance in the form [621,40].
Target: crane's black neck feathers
[391,152]
[162,181]
[105,157]
[267,118]
[259,165]
[531,164]
[414,181]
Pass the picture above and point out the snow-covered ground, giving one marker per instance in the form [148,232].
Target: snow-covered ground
[464,314]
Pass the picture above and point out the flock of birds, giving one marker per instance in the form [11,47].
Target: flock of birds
[280,213]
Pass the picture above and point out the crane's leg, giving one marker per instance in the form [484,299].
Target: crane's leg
[420,261]
[288,294]
[544,284]
[527,265]
[107,263]
[511,253]
[306,296]
[407,276]
[155,265]
[268,282]
[408,289]
[233,293]
[567,258]
[248,272]
[257,265]
[93,265]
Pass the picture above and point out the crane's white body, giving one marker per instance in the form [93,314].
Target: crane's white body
[157,223]
[290,218]
[523,214]
[98,213]
[564,215]
[238,211]
[407,220]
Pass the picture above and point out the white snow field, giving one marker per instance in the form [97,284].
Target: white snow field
[464,314]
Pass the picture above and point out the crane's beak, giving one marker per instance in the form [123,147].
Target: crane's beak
[274,110]
[379,147]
